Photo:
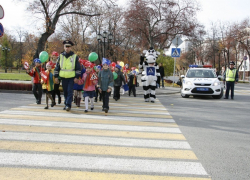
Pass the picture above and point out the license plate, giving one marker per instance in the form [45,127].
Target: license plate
[202,89]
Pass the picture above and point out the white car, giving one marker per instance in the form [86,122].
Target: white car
[201,81]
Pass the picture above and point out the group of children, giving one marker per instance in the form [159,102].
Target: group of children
[94,81]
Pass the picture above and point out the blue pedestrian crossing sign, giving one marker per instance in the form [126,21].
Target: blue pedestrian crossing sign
[176,52]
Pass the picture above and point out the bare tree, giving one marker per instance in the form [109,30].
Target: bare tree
[20,35]
[52,10]
[157,22]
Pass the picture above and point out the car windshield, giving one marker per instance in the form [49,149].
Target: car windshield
[201,73]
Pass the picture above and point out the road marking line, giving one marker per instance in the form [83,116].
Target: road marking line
[98,140]
[120,110]
[97,150]
[90,126]
[93,132]
[8,173]
[79,116]
[94,113]
[94,121]
[102,163]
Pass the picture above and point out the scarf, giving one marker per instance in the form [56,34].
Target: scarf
[37,71]
[134,80]
[88,82]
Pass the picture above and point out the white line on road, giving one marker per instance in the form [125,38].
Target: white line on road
[101,163]
[71,115]
[90,126]
[97,140]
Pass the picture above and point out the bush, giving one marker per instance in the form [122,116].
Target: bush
[15,86]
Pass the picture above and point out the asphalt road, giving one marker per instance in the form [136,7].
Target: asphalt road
[217,130]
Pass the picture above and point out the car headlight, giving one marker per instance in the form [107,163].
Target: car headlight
[189,83]
[215,83]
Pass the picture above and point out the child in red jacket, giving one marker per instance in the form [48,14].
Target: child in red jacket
[37,86]
[89,80]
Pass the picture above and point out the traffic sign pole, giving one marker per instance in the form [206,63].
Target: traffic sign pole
[177,41]
[174,71]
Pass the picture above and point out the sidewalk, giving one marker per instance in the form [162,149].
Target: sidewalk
[139,90]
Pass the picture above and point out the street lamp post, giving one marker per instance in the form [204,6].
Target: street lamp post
[5,50]
[101,39]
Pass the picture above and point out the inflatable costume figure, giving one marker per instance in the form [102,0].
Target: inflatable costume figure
[150,74]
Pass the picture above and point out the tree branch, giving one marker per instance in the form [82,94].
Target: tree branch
[80,13]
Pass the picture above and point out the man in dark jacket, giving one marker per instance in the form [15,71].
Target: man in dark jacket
[68,68]
[118,82]
[161,69]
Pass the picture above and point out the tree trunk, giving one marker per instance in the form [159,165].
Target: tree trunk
[41,43]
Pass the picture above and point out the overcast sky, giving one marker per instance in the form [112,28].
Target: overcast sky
[212,10]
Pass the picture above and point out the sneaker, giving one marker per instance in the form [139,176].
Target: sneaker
[86,111]
[67,108]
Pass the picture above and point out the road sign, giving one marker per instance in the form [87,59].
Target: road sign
[245,58]
[1,12]
[1,30]
[176,52]
[177,41]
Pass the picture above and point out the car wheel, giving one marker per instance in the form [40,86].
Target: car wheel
[218,96]
[184,95]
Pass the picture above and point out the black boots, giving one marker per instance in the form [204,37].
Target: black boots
[59,100]
[78,100]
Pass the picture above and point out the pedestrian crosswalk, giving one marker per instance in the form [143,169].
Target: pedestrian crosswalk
[135,141]
[242,92]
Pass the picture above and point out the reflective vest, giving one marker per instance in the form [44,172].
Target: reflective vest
[230,74]
[67,66]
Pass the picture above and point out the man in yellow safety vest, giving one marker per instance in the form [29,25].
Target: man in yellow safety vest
[68,68]
[231,78]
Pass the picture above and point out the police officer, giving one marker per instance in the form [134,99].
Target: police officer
[68,68]
[231,77]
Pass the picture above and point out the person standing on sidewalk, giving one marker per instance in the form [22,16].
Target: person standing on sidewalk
[105,84]
[231,77]
[68,68]
[36,86]
[162,73]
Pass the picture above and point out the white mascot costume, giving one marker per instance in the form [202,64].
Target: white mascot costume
[150,74]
